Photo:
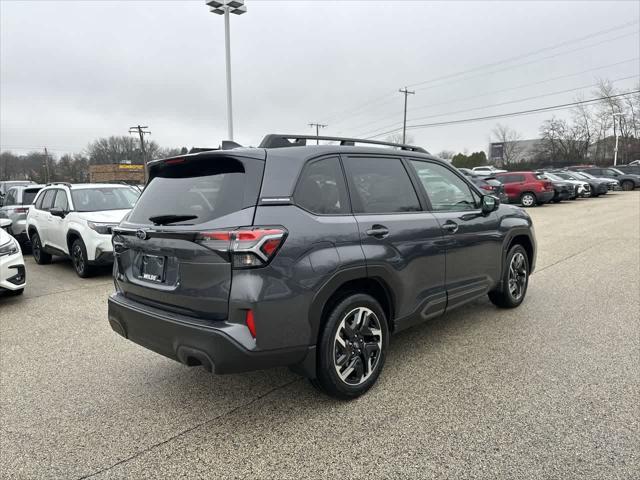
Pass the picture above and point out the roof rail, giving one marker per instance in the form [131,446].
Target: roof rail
[276,140]
[66,184]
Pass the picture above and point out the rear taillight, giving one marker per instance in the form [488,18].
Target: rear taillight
[488,187]
[21,210]
[248,247]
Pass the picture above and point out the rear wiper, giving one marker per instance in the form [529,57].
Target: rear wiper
[167,219]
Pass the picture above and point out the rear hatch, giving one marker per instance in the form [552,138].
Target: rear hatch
[160,258]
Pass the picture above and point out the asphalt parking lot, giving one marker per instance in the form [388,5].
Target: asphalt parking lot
[549,390]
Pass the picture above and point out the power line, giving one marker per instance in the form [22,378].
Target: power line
[535,52]
[464,78]
[423,107]
[504,115]
[534,97]
[377,100]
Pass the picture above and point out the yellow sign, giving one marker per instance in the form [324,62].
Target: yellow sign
[126,166]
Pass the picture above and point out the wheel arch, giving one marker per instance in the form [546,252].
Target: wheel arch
[342,285]
[72,236]
[520,237]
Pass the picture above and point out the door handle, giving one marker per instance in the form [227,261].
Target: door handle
[378,231]
[451,227]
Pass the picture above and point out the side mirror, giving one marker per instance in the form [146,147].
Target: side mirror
[5,222]
[57,212]
[490,203]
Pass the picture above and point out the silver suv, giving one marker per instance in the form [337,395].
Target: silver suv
[17,202]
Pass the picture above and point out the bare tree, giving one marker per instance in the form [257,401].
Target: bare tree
[397,138]
[446,154]
[512,148]
[560,142]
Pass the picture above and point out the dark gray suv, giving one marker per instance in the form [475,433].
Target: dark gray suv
[308,256]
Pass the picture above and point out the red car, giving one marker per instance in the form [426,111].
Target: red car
[526,188]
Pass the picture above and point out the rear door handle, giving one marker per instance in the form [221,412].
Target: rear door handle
[378,231]
[451,227]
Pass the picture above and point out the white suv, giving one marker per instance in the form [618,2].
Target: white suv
[75,221]
[487,170]
[12,272]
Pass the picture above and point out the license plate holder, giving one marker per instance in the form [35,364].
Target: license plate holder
[152,268]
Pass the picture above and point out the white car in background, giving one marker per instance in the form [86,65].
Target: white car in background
[487,171]
[75,221]
[12,272]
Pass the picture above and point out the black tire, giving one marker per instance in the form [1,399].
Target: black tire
[362,344]
[79,259]
[528,199]
[40,256]
[627,185]
[506,297]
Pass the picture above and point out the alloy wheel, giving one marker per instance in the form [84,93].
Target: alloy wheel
[357,346]
[517,276]
[528,200]
[35,248]
[78,258]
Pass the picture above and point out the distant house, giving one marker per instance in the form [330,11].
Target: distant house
[602,151]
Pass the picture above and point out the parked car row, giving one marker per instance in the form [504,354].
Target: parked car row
[530,188]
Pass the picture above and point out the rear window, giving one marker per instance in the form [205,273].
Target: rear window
[29,195]
[199,191]
[104,198]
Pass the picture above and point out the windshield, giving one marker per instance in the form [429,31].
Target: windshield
[619,172]
[551,176]
[584,175]
[566,176]
[104,198]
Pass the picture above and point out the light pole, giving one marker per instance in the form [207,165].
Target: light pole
[226,7]
[615,150]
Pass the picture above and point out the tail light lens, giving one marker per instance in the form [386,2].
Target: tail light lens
[489,188]
[247,247]
[21,210]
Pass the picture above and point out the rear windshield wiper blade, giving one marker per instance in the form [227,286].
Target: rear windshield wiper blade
[167,219]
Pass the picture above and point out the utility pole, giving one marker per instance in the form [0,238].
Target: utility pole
[318,127]
[617,134]
[46,165]
[140,130]
[404,123]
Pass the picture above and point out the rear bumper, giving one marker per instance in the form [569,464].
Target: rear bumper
[223,348]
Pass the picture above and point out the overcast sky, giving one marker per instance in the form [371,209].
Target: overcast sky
[75,71]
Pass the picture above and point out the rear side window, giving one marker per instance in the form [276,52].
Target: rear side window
[29,195]
[11,199]
[380,185]
[321,188]
[540,176]
[198,191]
